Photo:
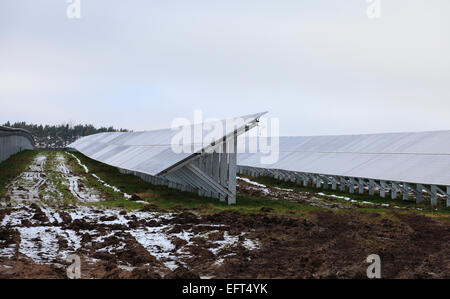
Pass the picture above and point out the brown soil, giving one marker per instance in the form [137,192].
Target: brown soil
[182,273]
[22,268]
[325,245]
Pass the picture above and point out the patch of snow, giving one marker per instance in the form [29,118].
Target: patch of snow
[335,196]
[27,185]
[79,163]
[83,194]
[8,252]
[284,189]
[41,243]
[155,241]
[250,244]
[115,189]
[251,182]
[264,188]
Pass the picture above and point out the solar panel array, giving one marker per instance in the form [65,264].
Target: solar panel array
[402,159]
[422,158]
[149,152]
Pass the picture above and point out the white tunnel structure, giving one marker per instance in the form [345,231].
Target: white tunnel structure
[412,164]
[13,140]
[202,159]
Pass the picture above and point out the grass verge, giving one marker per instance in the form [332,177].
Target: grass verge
[171,199]
[425,206]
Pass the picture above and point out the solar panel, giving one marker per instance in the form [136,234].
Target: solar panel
[148,152]
[152,155]
[422,158]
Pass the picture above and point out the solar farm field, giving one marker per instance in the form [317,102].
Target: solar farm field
[56,204]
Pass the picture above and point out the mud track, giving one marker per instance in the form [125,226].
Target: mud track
[47,215]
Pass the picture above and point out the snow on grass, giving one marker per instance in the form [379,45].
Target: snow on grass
[263,187]
[251,182]
[79,191]
[26,186]
[115,189]
[86,169]
[79,163]
[284,189]
[384,205]
[335,196]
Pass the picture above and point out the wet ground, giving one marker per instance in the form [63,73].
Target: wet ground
[45,218]
[50,212]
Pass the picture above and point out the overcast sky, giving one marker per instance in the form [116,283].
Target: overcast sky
[321,66]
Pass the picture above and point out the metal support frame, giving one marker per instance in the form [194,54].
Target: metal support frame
[343,184]
[433,195]
[419,193]
[361,185]
[371,187]
[448,196]
[223,169]
[211,174]
[318,181]
[334,183]
[306,180]
[405,191]
[394,190]
[324,182]
[232,159]
[383,188]
[352,185]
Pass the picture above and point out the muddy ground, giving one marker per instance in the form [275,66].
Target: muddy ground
[48,214]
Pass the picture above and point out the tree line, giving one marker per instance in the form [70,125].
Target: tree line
[59,136]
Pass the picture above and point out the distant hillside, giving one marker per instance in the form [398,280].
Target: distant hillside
[59,136]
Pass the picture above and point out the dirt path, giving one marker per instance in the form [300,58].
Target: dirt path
[79,190]
[27,185]
[41,227]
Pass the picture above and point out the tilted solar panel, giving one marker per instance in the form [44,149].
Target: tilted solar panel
[422,158]
[149,152]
